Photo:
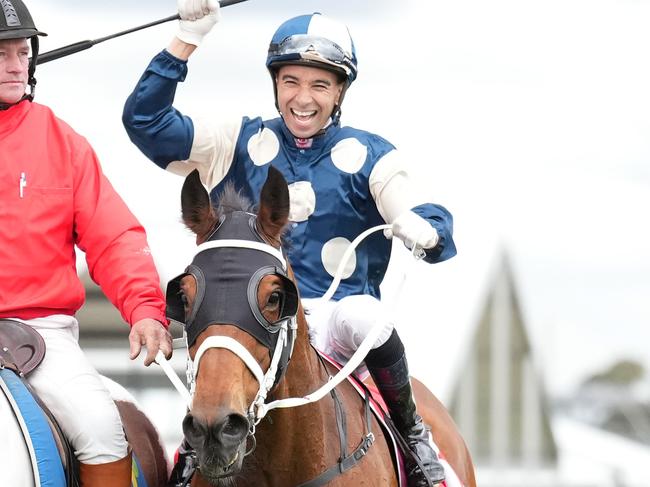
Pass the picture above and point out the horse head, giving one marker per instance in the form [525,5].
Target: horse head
[238,303]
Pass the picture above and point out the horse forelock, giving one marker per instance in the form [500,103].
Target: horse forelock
[231,199]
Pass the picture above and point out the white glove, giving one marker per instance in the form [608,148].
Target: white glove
[413,230]
[197,19]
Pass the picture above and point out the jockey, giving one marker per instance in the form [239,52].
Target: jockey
[54,196]
[342,181]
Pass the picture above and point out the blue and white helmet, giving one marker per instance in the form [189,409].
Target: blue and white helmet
[314,40]
[318,41]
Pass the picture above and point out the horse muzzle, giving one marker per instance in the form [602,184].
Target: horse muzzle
[220,446]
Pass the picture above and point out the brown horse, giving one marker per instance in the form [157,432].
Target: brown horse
[288,447]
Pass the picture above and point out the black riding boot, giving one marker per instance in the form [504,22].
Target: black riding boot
[394,384]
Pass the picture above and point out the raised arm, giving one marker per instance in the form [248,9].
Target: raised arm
[159,130]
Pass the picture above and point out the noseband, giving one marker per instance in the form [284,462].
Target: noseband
[228,269]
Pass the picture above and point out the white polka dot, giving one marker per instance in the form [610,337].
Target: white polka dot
[333,252]
[349,155]
[303,201]
[263,147]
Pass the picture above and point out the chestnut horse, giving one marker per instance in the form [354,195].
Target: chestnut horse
[244,321]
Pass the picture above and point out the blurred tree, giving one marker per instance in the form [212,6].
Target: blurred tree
[623,373]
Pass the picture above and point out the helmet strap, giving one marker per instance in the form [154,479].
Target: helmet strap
[31,80]
[336,113]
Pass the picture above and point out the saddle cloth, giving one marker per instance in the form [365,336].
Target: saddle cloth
[36,430]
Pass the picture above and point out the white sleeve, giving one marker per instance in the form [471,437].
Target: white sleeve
[213,150]
[391,187]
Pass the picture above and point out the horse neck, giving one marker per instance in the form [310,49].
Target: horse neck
[305,372]
[294,462]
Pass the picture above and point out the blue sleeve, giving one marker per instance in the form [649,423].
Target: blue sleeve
[440,218]
[160,131]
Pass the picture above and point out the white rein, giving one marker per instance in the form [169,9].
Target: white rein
[259,408]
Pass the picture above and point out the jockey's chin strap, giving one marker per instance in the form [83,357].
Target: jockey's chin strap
[259,408]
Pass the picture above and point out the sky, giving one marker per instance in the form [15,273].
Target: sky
[528,120]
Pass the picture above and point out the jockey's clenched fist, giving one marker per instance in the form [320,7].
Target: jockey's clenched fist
[197,19]
[413,230]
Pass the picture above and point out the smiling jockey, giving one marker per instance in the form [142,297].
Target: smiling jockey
[53,196]
[342,181]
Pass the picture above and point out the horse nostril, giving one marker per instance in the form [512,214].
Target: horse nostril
[234,429]
[193,430]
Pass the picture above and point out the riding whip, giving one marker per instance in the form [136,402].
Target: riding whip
[83,45]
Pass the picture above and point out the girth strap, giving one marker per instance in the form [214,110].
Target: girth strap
[346,462]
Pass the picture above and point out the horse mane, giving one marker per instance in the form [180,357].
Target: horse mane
[231,199]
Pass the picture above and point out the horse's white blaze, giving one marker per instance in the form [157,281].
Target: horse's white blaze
[15,463]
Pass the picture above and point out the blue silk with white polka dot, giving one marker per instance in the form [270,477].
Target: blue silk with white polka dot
[331,202]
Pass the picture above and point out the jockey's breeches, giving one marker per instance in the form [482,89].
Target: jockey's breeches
[337,328]
[74,392]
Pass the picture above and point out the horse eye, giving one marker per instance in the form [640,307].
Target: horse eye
[275,298]
[274,301]
[184,300]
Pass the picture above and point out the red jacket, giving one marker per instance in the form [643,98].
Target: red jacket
[54,195]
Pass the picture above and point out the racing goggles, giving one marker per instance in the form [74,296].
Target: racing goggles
[312,48]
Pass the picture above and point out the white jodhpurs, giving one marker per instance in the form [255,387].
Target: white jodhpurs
[337,328]
[73,390]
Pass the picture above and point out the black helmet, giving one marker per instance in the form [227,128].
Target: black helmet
[17,23]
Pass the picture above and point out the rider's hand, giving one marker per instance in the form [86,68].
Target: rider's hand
[154,336]
[412,229]
[197,19]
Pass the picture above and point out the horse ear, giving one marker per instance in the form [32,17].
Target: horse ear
[274,204]
[197,211]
